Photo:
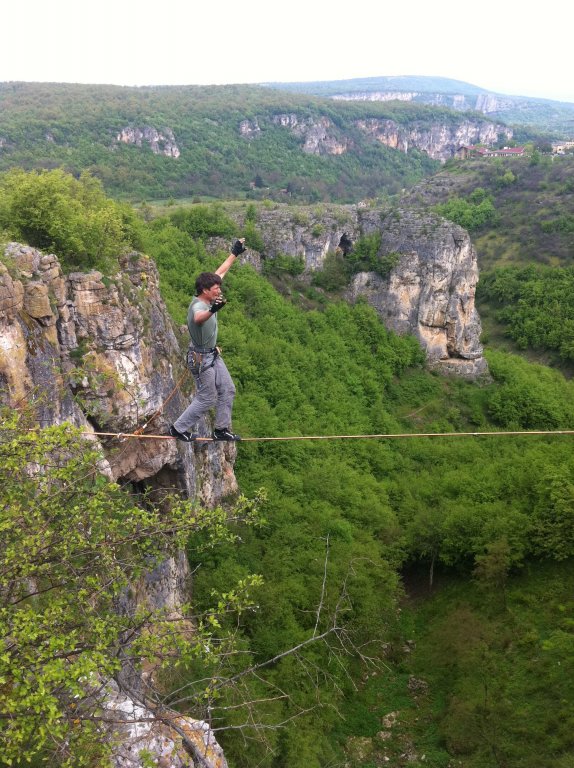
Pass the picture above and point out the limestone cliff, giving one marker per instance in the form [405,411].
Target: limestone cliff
[428,293]
[487,103]
[102,354]
[440,139]
[160,142]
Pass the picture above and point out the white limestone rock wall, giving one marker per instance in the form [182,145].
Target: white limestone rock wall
[430,293]
[160,142]
[440,140]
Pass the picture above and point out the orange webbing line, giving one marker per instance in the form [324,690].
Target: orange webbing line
[123,435]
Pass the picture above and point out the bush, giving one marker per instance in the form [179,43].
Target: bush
[282,263]
[472,214]
[72,217]
[204,221]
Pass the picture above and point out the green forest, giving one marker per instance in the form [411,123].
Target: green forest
[75,127]
[480,512]
[436,571]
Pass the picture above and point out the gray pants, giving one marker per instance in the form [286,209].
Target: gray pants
[214,389]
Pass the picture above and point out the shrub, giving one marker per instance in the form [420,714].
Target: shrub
[72,217]
[204,221]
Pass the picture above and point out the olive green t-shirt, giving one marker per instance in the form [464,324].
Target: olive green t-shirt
[204,335]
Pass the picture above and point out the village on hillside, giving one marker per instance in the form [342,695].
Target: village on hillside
[477,150]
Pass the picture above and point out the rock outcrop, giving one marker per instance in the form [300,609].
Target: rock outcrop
[440,141]
[319,136]
[160,142]
[428,293]
[103,355]
[487,103]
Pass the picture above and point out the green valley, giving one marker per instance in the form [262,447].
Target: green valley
[436,571]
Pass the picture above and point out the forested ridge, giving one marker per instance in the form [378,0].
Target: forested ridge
[76,127]
[444,562]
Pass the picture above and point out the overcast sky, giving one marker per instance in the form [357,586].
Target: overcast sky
[501,47]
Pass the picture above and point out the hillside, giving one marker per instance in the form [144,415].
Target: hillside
[527,114]
[361,513]
[229,141]
[533,200]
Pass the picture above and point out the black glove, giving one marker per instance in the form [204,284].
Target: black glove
[217,304]
[238,248]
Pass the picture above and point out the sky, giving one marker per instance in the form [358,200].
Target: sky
[501,47]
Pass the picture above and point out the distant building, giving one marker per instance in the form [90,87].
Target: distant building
[562,147]
[472,150]
[506,152]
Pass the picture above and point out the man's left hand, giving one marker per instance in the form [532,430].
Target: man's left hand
[217,304]
[238,247]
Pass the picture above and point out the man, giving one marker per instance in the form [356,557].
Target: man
[214,386]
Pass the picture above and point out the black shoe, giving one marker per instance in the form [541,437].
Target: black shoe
[185,437]
[225,434]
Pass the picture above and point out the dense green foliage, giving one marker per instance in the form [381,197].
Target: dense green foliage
[488,669]
[54,211]
[536,304]
[357,511]
[74,545]
[344,520]
[76,127]
[472,213]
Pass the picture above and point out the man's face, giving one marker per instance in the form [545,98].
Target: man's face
[213,293]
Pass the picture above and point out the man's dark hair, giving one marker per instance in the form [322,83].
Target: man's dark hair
[205,281]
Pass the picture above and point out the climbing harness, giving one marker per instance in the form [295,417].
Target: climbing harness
[196,356]
[194,365]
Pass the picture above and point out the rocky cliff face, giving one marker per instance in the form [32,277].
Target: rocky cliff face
[487,103]
[429,293]
[160,142]
[102,354]
[440,140]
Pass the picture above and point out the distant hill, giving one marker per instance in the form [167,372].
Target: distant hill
[553,117]
[230,141]
[388,84]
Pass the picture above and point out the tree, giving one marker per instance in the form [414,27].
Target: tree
[52,210]
[491,569]
[553,518]
[74,544]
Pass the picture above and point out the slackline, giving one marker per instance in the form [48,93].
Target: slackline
[135,435]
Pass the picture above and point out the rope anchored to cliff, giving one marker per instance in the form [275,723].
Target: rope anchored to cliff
[388,436]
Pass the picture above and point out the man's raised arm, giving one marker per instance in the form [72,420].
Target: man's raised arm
[237,249]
